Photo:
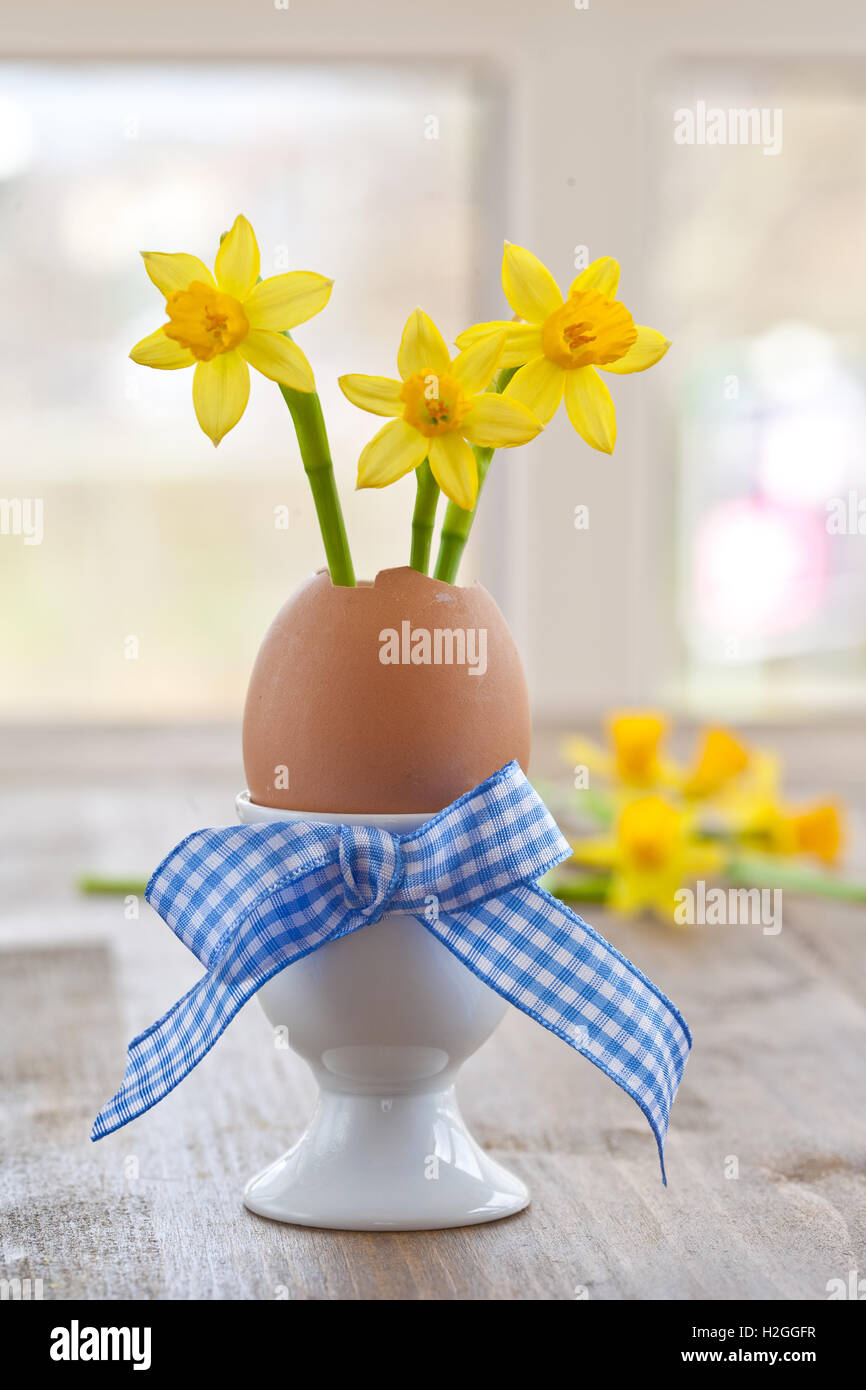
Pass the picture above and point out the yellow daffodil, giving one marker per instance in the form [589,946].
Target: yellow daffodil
[227,322]
[652,854]
[440,407]
[721,815]
[818,831]
[636,739]
[563,341]
[737,789]
[635,759]
[719,759]
[812,830]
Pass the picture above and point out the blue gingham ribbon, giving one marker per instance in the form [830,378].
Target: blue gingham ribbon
[250,900]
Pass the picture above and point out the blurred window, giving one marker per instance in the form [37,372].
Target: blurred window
[761,212]
[162,560]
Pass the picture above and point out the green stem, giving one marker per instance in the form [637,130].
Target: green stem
[458,523]
[766,871]
[595,804]
[112,887]
[309,425]
[423,518]
[578,888]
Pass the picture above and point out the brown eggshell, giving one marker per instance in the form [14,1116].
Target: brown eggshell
[357,735]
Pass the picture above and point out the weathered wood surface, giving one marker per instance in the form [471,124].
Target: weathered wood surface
[777,1079]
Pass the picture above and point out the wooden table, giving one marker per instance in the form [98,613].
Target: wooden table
[775,1089]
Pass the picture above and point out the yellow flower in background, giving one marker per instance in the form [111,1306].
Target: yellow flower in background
[815,830]
[441,407]
[225,323]
[740,787]
[722,815]
[719,758]
[636,739]
[635,759]
[563,341]
[652,854]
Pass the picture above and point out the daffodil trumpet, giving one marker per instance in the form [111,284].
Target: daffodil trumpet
[225,322]
[441,412]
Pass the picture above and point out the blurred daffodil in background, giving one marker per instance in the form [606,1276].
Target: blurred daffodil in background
[665,824]
[226,322]
[439,409]
[815,830]
[632,757]
[561,342]
[652,852]
[718,760]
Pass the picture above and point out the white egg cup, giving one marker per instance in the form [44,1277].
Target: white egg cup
[385,1018]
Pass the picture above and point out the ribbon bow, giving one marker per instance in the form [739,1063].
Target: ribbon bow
[250,900]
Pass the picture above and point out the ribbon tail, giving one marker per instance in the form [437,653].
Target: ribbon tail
[160,1057]
[276,935]
[549,963]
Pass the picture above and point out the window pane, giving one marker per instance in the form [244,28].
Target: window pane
[762,206]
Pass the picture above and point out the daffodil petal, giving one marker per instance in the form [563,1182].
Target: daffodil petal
[601,275]
[277,358]
[473,335]
[159,351]
[521,345]
[453,465]
[172,271]
[475,366]
[220,391]
[496,423]
[582,753]
[284,301]
[595,851]
[523,340]
[422,348]
[237,262]
[590,408]
[539,386]
[649,348]
[529,286]
[378,394]
[396,450]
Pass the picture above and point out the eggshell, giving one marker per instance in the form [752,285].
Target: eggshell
[348,731]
